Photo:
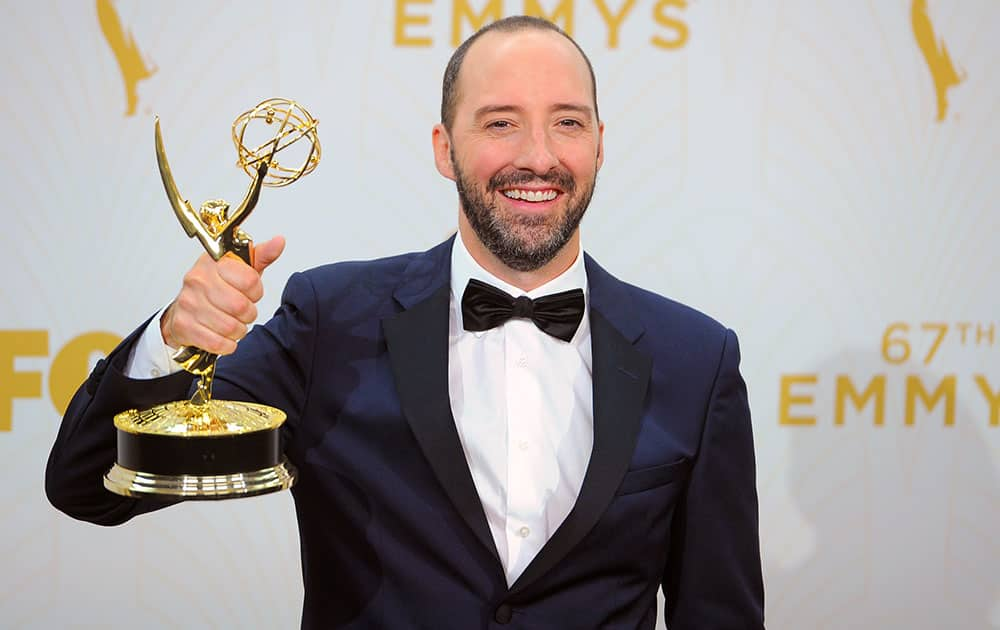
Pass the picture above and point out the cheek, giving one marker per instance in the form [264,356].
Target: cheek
[578,157]
[485,168]
[483,160]
[587,165]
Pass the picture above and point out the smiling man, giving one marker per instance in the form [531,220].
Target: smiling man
[521,137]
[494,432]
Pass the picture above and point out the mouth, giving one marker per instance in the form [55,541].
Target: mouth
[531,198]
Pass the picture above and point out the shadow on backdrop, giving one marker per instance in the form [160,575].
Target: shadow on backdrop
[902,517]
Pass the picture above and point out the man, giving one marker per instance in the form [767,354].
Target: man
[460,469]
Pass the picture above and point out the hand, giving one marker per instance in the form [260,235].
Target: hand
[217,300]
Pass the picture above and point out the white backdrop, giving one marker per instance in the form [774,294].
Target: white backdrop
[784,166]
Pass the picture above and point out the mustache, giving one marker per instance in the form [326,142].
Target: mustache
[559,178]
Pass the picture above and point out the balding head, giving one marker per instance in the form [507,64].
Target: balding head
[451,86]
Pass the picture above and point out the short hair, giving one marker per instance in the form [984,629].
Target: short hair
[513,24]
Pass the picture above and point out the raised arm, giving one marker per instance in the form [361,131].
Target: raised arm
[212,310]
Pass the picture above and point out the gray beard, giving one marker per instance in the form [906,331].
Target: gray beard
[522,243]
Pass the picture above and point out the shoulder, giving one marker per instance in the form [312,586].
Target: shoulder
[662,314]
[688,348]
[367,283]
[681,329]
[371,275]
[645,312]
[663,327]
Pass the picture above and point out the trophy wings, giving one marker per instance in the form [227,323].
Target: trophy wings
[215,242]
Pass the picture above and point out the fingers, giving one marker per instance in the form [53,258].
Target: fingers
[236,275]
[267,252]
[217,301]
[181,327]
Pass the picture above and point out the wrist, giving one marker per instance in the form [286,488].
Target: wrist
[165,324]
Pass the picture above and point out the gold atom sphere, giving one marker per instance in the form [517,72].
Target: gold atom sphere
[291,123]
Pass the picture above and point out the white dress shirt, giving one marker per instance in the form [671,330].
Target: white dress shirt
[523,407]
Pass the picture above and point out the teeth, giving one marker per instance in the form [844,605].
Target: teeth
[531,195]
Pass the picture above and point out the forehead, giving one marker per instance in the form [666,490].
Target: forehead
[523,67]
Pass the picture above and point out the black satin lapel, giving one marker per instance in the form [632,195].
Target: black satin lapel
[418,352]
[621,378]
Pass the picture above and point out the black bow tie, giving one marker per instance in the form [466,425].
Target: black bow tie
[485,307]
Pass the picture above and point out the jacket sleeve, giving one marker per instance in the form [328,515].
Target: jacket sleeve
[85,446]
[713,575]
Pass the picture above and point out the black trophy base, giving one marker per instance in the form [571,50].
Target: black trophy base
[218,450]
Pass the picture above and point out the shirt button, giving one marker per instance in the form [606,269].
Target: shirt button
[524,532]
[522,362]
[503,614]
[523,445]
[155,372]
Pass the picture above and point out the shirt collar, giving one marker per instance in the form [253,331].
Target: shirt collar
[464,267]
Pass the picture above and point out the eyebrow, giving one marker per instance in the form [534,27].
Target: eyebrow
[486,110]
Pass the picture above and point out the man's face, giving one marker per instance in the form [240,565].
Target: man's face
[525,145]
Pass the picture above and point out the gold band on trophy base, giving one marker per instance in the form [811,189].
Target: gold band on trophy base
[203,448]
[130,483]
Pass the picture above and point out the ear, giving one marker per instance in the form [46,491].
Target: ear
[442,151]
[600,144]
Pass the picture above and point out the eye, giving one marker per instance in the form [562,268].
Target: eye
[498,124]
[570,123]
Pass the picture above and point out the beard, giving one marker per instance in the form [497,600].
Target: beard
[522,242]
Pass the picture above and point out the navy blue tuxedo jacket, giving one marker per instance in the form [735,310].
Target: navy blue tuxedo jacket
[392,531]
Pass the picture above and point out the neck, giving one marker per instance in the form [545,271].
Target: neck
[524,280]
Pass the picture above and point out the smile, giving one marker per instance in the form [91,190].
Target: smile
[531,195]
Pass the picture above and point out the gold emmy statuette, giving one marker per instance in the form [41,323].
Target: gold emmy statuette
[203,448]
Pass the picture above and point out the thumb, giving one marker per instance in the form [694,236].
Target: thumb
[267,252]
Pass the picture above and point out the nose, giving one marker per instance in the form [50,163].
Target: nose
[536,154]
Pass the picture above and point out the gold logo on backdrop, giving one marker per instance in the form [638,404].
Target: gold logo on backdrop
[936,54]
[920,352]
[414,24]
[67,369]
[133,67]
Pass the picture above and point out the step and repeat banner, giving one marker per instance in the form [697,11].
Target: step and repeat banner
[821,176]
